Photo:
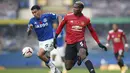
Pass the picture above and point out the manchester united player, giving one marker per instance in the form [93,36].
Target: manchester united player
[117,36]
[76,24]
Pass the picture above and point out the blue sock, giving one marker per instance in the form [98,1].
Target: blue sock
[47,61]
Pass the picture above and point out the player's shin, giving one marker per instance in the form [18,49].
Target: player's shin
[89,65]
[120,63]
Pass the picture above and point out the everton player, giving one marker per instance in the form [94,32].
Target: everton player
[58,54]
[117,35]
[42,25]
[76,24]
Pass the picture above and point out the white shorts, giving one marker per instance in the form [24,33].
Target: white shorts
[46,45]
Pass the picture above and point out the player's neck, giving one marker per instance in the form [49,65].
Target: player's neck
[116,30]
[79,14]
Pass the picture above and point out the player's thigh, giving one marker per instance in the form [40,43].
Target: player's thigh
[47,46]
[82,49]
[119,54]
[70,52]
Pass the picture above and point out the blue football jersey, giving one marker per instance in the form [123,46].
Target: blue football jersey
[43,26]
[60,38]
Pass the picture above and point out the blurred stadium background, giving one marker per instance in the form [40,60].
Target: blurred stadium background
[14,16]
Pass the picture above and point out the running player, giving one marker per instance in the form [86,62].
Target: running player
[117,35]
[76,24]
[58,54]
[42,25]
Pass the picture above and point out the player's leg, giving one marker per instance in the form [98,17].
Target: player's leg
[70,55]
[53,54]
[44,54]
[120,61]
[62,55]
[41,54]
[83,53]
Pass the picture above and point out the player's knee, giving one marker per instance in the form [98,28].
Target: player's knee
[68,65]
[118,58]
[82,54]
[40,53]
[68,68]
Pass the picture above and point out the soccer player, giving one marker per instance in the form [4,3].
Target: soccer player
[43,26]
[58,54]
[117,35]
[76,24]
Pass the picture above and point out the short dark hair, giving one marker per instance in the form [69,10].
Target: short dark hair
[81,4]
[35,7]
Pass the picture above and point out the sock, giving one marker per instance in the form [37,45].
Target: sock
[50,64]
[121,63]
[89,65]
[63,66]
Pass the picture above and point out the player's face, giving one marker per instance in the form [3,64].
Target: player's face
[115,27]
[36,13]
[77,9]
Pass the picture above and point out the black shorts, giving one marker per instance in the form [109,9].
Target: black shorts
[73,49]
[117,54]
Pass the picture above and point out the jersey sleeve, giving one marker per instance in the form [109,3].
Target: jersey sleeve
[87,21]
[124,36]
[30,23]
[61,25]
[53,16]
[93,33]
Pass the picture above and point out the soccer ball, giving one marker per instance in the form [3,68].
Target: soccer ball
[27,52]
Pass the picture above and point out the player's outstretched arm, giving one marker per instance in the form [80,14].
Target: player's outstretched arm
[29,30]
[108,40]
[94,35]
[59,29]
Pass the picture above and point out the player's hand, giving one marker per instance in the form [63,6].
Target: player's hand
[54,43]
[102,46]
[107,45]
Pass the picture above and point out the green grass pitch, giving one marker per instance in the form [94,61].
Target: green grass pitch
[45,70]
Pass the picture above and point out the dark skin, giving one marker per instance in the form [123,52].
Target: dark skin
[77,10]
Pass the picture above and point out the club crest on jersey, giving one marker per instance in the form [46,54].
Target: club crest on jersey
[112,36]
[72,21]
[82,23]
[119,35]
[44,20]
[35,22]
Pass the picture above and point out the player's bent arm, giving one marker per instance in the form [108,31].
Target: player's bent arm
[108,40]
[60,27]
[125,39]
[59,19]
[29,30]
[124,36]
[93,33]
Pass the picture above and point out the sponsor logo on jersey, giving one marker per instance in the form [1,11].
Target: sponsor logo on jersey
[44,20]
[41,25]
[76,28]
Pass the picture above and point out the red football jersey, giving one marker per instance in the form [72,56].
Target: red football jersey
[117,39]
[75,28]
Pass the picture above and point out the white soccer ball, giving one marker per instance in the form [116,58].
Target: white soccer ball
[27,52]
